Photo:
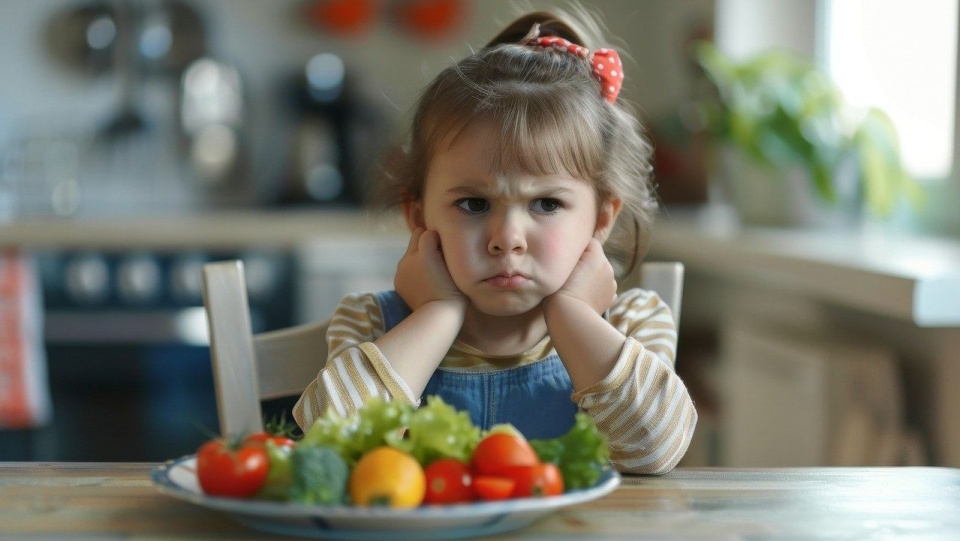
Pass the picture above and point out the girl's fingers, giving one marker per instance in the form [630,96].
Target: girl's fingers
[414,240]
[429,241]
[594,247]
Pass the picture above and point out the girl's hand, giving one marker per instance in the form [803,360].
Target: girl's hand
[422,274]
[592,280]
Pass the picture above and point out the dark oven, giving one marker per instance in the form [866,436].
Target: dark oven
[127,353]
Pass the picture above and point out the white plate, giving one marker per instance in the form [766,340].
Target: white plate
[178,478]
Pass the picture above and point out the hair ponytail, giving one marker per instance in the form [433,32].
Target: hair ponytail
[550,25]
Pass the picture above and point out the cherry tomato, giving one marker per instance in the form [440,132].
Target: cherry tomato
[498,452]
[536,481]
[448,481]
[492,488]
[233,471]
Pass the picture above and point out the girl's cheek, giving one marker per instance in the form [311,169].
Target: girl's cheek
[455,250]
[557,246]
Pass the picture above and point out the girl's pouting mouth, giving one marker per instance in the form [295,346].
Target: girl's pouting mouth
[507,280]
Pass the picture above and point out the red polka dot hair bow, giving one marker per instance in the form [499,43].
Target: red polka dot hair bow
[607,68]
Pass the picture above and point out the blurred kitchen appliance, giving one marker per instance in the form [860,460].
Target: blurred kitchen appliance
[338,136]
[211,121]
[127,352]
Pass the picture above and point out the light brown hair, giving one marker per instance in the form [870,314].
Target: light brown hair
[551,118]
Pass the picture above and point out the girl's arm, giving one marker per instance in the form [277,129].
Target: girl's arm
[642,405]
[416,345]
[622,368]
[354,370]
[585,341]
[363,361]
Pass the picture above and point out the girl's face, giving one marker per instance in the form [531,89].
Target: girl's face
[508,241]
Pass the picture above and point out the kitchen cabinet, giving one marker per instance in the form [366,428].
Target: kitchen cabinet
[830,344]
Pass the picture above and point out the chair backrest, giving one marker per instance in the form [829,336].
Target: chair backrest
[666,279]
[248,368]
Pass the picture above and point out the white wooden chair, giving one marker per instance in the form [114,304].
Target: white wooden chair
[248,368]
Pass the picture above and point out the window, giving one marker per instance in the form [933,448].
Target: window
[900,56]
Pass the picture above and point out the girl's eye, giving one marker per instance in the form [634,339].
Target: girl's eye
[473,205]
[546,205]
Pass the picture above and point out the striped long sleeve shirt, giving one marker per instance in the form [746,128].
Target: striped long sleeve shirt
[642,405]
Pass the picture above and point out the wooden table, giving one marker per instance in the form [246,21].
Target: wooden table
[117,501]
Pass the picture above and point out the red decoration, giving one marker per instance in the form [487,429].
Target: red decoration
[430,19]
[342,16]
[605,63]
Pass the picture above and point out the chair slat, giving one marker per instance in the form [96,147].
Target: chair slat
[289,359]
[231,348]
[666,279]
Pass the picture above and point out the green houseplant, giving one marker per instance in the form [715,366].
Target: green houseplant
[780,111]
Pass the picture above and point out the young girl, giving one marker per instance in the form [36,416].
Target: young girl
[522,168]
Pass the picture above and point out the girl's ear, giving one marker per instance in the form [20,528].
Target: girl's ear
[413,213]
[609,210]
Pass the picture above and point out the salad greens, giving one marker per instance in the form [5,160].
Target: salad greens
[438,430]
[435,430]
[367,429]
[581,453]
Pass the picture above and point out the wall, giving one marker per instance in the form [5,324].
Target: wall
[744,27]
[268,44]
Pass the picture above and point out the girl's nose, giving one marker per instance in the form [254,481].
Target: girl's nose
[506,236]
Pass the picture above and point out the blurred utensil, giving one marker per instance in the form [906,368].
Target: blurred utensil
[172,36]
[83,37]
[211,119]
[128,119]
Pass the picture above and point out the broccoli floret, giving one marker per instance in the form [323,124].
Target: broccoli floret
[319,475]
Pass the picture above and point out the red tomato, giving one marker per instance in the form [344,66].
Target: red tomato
[234,472]
[492,488]
[278,440]
[498,452]
[536,481]
[448,481]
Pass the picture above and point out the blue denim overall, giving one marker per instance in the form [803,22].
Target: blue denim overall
[535,398]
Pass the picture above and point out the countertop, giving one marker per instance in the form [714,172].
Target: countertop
[219,229]
[903,276]
[907,277]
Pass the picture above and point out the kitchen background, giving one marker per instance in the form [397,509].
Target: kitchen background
[124,110]
[293,83]
[140,139]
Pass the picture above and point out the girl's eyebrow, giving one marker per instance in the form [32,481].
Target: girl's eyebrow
[468,190]
[484,191]
[554,192]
